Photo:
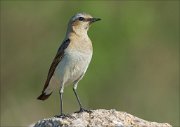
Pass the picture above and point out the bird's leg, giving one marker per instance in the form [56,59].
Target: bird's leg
[62,115]
[61,105]
[77,97]
[80,105]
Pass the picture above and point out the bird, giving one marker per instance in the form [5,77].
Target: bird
[71,60]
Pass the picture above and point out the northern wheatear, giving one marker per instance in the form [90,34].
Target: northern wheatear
[72,59]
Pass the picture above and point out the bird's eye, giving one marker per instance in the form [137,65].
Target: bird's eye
[81,18]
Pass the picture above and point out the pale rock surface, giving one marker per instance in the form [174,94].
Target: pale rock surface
[99,118]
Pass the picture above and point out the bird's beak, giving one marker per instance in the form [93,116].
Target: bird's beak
[94,20]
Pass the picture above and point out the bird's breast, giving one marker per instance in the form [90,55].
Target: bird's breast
[75,61]
[78,62]
[73,65]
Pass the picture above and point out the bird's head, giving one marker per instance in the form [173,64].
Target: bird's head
[81,22]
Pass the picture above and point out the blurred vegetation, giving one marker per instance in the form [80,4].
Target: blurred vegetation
[135,65]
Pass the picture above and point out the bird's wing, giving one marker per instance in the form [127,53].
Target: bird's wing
[57,59]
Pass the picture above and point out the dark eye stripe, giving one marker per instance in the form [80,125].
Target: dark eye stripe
[81,19]
[88,19]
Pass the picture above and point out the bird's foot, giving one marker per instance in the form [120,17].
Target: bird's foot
[83,110]
[63,116]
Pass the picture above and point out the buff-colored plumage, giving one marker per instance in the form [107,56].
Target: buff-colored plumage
[73,57]
[73,65]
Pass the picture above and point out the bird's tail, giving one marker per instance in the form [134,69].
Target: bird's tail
[43,96]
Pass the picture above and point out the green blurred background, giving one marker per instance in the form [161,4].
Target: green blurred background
[135,65]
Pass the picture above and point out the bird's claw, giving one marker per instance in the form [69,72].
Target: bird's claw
[83,110]
[63,116]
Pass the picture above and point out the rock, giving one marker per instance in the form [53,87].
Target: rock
[99,118]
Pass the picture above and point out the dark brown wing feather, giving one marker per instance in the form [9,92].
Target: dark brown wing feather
[54,64]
